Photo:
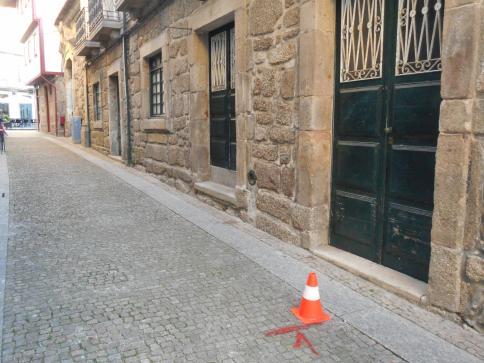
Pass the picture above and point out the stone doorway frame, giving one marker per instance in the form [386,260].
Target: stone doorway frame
[209,17]
[114,70]
[456,204]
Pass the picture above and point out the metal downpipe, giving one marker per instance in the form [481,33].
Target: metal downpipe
[126,92]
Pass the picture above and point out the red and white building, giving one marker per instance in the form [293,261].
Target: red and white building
[42,60]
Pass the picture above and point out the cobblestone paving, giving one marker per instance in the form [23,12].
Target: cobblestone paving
[464,338]
[97,271]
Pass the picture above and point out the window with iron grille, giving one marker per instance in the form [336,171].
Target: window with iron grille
[156,85]
[97,101]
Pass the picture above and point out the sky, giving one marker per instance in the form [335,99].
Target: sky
[10,31]
[10,66]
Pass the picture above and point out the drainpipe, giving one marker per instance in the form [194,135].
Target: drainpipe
[88,119]
[37,107]
[126,91]
[55,104]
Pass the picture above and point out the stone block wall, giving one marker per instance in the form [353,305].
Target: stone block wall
[99,72]
[273,41]
[473,284]
[42,109]
[162,145]
[456,280]
[56,86]
[74,77]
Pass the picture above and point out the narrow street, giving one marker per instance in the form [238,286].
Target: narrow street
[99,270]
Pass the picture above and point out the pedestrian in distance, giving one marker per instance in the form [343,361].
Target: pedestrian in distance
[3,133]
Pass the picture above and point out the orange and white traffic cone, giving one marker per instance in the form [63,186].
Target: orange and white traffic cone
[310,310]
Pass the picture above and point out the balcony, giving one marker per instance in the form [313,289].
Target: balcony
[130,5]
[84,45]
[104,21]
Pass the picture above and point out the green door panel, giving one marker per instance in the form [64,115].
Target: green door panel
[360,113]
[407,247]
[416,110]
[412,171]
[354,223]
[217,105]
[356,166]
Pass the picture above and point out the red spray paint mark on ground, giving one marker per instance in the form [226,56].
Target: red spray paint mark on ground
[300,337]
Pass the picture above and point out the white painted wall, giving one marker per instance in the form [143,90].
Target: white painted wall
[15,99]
[31,56]
[46,12]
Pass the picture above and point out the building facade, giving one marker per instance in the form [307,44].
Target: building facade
[42,61]
[339,125]
[17,101]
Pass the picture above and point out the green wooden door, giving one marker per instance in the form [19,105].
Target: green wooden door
[385,130]
[223,142]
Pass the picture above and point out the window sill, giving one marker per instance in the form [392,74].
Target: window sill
[97,125]
[154,124]
[218,191]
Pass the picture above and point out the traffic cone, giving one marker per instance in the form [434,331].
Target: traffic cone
[310,310]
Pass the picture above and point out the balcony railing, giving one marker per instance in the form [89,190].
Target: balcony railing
[102,10]
[82,28]
[84,46]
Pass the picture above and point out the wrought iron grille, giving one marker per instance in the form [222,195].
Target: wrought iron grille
[361,39]
[81,27]
[102,10]
[419,36]
[218,48]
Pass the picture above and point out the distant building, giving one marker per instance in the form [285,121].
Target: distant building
[42,61]
[17,101]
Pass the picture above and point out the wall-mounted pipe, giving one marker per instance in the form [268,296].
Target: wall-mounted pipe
[126,92]
[88,119]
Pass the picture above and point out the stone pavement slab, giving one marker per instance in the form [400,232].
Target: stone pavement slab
[106,264]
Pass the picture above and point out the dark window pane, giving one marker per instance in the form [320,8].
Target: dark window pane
[156,80]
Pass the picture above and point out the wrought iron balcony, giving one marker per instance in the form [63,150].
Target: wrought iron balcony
[103,19]
[84,46]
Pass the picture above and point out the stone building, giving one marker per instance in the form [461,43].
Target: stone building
[347,127]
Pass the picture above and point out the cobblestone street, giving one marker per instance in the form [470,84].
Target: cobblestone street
[99,271]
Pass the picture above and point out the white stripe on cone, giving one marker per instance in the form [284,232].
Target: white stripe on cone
[311,293]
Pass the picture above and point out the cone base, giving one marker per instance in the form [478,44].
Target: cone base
[319,319]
